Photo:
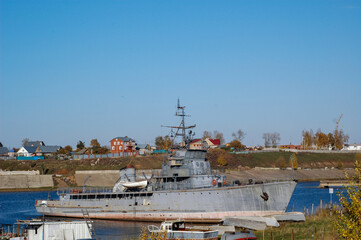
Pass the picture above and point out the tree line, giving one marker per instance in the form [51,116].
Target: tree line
[321,140]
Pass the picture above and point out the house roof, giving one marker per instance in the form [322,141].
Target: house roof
[30,149]
[81,151]
[215,141]
[142,145]
[196,140]
[48,149]
[35,144]
[124,139]
[4,150]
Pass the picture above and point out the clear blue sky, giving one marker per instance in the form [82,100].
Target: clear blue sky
[77,70]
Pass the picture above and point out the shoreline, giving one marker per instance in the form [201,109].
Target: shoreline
[97,178]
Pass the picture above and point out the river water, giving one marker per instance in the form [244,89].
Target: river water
[20,205]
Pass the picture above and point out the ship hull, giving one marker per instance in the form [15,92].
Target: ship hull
[201,205]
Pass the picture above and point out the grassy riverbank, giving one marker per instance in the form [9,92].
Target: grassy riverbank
[233,161]
[319,226]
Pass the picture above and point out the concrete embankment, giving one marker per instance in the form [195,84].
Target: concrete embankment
[23,181]
[101,178]
[262,174]
[107,178]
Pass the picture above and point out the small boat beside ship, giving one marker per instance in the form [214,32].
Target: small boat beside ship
[173,230]
[176,229]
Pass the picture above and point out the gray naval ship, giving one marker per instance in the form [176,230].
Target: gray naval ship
[186,189]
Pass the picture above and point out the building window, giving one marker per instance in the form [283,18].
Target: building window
[113,148]
[120,148]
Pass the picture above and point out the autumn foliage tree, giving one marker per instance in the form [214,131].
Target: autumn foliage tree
[307,139]
[65,150]
[281,162]
[95,145]
[80,145]
[348,215]
[293,162]
[163,142]
[237,145]
[221,160]
[103,150]
[320,140]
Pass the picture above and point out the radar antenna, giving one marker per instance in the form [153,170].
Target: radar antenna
[180,131]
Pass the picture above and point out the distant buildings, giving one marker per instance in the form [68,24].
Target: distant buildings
[122,144]
[46,150]
[352,147]
[35,144]
[213,143]
[205,144]
[290,146]
[197,144]
[37,148]
[4,151]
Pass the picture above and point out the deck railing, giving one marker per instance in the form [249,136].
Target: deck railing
[62,191]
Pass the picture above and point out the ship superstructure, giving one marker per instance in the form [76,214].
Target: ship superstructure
[186,189]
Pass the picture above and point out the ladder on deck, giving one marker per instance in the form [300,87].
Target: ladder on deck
[89,223]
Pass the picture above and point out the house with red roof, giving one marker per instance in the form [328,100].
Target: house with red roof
[204,144]
[122,145]
[213,143]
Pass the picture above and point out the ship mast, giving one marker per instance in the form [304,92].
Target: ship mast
[180,131]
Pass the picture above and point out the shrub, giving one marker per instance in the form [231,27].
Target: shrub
[221,160]
[339,164]
[348,216]
[281,163]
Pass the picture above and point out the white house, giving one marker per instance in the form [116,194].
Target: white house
[197,144]
[26,151]
[352,147]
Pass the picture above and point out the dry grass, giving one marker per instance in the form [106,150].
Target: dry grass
[319,226]
[145,235]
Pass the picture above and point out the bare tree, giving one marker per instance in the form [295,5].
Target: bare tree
[275,138]
[218,135]
[239,135]
[206,135]
[267,140]
[271,139]
[25,141]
